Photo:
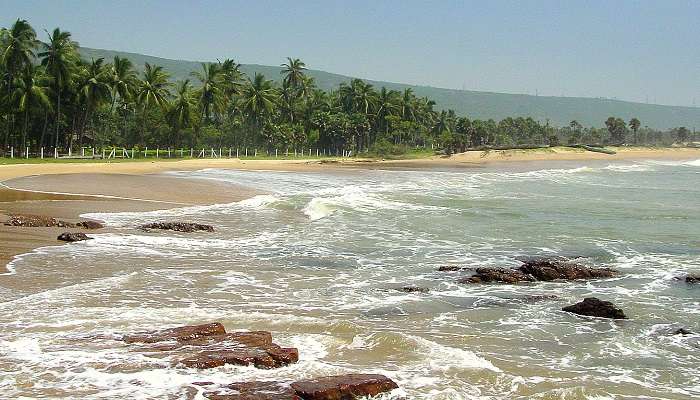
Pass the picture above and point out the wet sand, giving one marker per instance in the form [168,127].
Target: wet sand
[66,190]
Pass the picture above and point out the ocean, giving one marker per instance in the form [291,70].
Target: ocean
[318,259]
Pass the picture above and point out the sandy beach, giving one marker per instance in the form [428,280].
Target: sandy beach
[66,190]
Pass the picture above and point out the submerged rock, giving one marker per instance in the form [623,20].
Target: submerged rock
[692,278]
[72,236]
[36,221]
[594,307]
[551,269]
[342,387]
[682,331]
[255,390]
[413,289]
[209,346]
[503,275]
[89,225]
[178,226]
[450,268]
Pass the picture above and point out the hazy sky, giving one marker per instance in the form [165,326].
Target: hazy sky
[631,50]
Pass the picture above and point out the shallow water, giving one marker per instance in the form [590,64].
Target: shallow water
[317,261]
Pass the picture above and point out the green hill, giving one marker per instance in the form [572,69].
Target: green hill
[558,110]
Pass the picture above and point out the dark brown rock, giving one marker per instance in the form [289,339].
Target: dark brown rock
[178,226]
[692,278]
[256,390]
[72,236]
[549,270]
[450,268]
[343,387]
[413,289]
[36,221]
[181,333]
[682,331]
[89,225]
[502,275]
[594,307]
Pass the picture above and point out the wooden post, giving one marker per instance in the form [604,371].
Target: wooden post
[237,152]
[275,153]
[26,154]
[168,152]
[229,152]
[82,152]
[55,152]
[145,152]
[246,152]
[70,152]
[42,153]
[93,152]
[256,152]
[157,150]
[317,152]
[103,153]
[12,152]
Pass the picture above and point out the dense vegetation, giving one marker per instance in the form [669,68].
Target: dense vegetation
[51,97]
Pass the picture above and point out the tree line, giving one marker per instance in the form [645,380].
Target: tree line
[51,97]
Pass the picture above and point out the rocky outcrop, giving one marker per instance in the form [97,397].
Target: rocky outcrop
[692,278]
[550,270]
[72,237]
[187,227]
[594,307]
[210,346]
[341,387]
[503,275]
[89,225]
[535,270]
[36,221]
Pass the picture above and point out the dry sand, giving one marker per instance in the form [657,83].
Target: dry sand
[137,186]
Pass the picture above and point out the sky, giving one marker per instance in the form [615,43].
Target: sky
[643,51]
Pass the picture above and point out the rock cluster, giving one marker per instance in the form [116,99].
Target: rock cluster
[539,270]
[178,226]
[338,387]
[89,225]
[72,237]
[210,346]
[36,221]
[413,289]
[594,307]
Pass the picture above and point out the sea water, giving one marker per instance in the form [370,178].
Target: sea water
[317,260]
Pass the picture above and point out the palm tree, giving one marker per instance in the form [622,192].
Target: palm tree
[386,106]
[293,72]
[210,91]
[407,107]
[123,80]
[181,110]
[59,58]
[153,91]
[258,100]
[17,52]
[634,125]
[94,89]
[31,90]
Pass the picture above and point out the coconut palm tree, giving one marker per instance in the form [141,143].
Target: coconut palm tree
[180,114]
[123,80]
[59,58]
[634,125]
[153,91]
[94,89]
[258,100]
[386,105]
[31,90]
[293,72]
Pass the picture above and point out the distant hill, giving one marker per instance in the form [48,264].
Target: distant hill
[484,105]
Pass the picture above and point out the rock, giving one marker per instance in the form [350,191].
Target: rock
[181,333]
[536,298]
[450,268]
[595,307]
[72,236]
[343,387]
[209,346]
[255,390]
[504,275]
[179,226]
[413,289]
[36,221]
[89,225]
[551,269]
[692,278]
[682,331]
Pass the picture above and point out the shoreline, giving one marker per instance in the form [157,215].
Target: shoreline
[67,190]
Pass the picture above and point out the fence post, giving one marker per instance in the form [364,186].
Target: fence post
[42,153]
[93,152]
[229,152]
[246,152]
[157,151]
[256,152]
[103,153]
[275,153]
[12,152]
[168,152]
[55,152]
[145,152]
[237,152]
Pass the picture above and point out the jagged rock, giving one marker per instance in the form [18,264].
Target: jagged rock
[595,307]
[36,221]
[450,268]
[550,269]
[209,346]
[342,387]
[178,226]
[682,331]
[89,225]
[255,390]
[504,275]
[181,333]
[413,289]
[692,278]
[72,236]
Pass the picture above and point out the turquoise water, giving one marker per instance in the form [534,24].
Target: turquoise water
[317,260]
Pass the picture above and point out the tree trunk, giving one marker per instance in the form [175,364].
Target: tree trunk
[24,131]
[58,117]
[43,130]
